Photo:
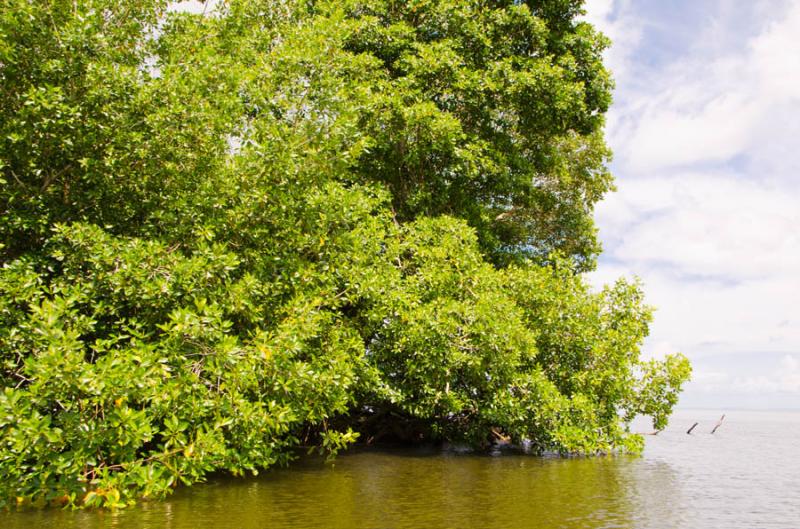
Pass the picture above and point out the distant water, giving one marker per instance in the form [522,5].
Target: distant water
[747,475]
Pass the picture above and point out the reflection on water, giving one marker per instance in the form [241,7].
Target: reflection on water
[744,476]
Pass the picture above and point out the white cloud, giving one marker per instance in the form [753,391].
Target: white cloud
[711,108]
[705,224]
[775,57]
[707,320]
[598,11]
[780,377]
[668,134]
[708,170]
[719,258]
[619,23]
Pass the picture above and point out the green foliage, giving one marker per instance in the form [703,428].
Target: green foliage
[489,111]
[126,372]
[302,224]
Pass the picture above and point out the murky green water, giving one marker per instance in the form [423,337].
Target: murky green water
[747,475]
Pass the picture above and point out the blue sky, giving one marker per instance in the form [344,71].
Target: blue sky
[706,134]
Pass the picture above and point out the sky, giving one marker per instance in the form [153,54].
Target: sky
[705,130]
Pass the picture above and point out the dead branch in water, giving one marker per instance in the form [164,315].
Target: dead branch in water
[654,432]
[500,438]
[719,423]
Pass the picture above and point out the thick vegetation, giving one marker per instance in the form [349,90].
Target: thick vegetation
[300,222]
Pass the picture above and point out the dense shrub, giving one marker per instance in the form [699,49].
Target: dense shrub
[299,223]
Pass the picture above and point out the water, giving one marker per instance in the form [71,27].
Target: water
[746,475]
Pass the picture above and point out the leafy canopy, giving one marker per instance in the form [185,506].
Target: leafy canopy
[294,223]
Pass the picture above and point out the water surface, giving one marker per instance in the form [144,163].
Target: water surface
[746,475]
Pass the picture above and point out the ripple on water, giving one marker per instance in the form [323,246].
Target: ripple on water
[746,475]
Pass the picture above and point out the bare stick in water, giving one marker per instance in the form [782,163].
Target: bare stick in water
[689,431]
[719,423]
[654,432]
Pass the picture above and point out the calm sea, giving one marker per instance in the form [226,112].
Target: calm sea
[747,475]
